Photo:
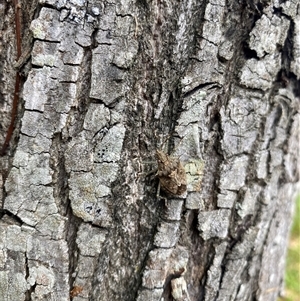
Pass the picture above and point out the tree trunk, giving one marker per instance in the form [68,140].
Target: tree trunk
[103,85]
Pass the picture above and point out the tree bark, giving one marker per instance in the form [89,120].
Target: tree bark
[104,85]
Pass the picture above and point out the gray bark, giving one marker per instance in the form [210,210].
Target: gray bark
[106,85]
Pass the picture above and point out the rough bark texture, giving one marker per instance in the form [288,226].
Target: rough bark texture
[106,85]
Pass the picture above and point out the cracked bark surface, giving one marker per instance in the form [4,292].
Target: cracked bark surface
[215,83]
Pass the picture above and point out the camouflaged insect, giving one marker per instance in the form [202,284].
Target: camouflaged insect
[171,174]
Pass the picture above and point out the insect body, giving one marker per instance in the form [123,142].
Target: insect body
[171,174]
[76,291]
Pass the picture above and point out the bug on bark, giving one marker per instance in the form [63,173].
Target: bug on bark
[171,174]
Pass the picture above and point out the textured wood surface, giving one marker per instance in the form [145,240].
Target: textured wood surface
[104,86]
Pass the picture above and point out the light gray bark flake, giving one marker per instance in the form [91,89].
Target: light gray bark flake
[167,235]
[295,64]
[150,295]
[90,239]
[47,26]
[233,175]
[214,223]
[179,289]
[109,148]
[173,212]
[194,200]
[268,33]
[160,265]
[248,204]
[259,74]
[226,199]
[214,273]
[96,118]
